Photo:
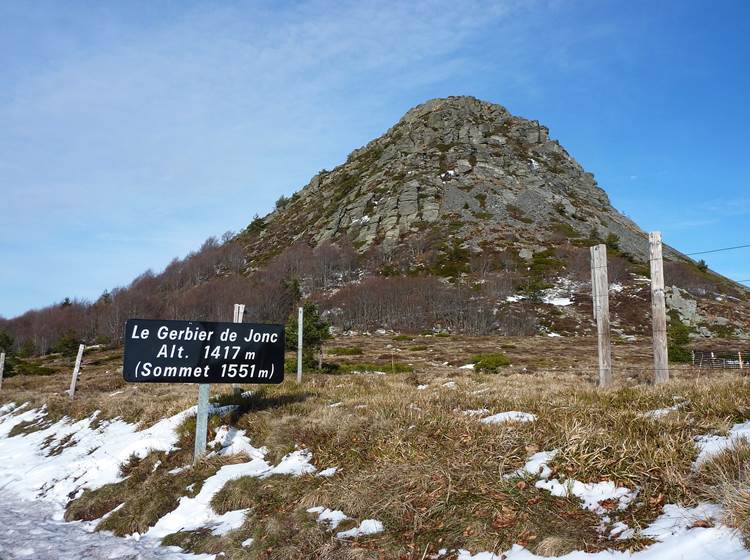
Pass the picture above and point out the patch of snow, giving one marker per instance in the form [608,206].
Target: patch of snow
[90,459]
[367,527]
[330,518]
[677,520]
[234,442]
[246,543]
[512,416]
[450,384]
[710,445]
[335,405]
[592,494]
[468,366]
[229,521]
[616,287]
[422,387]
[558,301]
[330,471]
[554,335]
[28,530]
[295,463]
[662,412]
[621,531]
[194,513]
[536,465]
[514,299]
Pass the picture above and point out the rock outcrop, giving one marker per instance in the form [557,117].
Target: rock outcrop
[457,163]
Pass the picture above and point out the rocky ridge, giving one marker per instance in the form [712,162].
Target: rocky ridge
[457,163]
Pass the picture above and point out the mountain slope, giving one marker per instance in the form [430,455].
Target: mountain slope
[457,163]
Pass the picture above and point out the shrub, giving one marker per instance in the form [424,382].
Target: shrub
[315,331]
[355,351]
[612,242]
[678,335]
[385,367]
[490,363]
[67,344]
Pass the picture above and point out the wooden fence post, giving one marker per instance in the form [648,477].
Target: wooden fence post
[239,315]
[2,368]
[600,293]
[300,329]
[658,309]
[739,356]
[76,368]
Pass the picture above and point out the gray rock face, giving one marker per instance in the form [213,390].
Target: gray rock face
[462,163]
[686,307]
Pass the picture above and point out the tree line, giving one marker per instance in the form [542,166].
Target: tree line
[354,291]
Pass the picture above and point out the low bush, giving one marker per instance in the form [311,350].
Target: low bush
[346,351]
[490,363]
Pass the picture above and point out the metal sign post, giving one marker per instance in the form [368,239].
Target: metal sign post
[201,421]
[2,368]
[74,379]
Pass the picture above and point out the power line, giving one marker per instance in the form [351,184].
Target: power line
[718,250]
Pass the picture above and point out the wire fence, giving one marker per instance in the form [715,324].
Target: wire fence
[721,360]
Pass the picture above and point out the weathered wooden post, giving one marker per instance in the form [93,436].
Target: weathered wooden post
[300,329]
[239,315]
[76,368]
[658,309]
[2,368]
[600,294]
[739,358]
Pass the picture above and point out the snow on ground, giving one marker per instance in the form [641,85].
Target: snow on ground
[512,416]
[561,294]
[713,445]
[367,527]
[333,518]
[662,412]
[90,452]
[28,531]
[675,533]
[233,442]
[591,494]
[536,465]
[87,453]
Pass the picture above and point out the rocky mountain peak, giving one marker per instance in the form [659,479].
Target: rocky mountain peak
[464,167]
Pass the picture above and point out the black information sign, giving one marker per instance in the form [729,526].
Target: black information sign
[202,352]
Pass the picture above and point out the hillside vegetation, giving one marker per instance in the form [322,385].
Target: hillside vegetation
[426,453]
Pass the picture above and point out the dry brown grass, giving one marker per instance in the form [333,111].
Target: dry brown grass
[408,457]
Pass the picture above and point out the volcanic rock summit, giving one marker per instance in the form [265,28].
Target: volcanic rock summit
[459,165]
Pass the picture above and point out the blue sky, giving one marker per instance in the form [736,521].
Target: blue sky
[130,131]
